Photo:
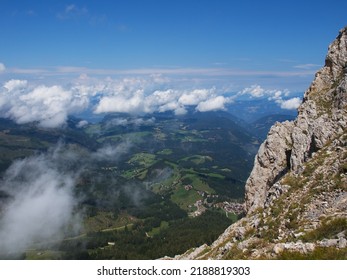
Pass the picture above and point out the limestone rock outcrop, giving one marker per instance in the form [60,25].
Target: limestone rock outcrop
[321,117]
[271,163]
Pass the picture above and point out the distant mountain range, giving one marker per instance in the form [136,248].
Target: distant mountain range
[252,110]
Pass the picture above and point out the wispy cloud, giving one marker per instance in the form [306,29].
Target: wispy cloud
[30,13]
[220,64]
[207,72]
[2,67]
[111,153]
[41,205]
[254,90]
[30,71]
[286,60]
[76,12]
[307,66]
[122,28]
[73,11]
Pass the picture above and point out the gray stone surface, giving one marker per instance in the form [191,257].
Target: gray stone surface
[321,117]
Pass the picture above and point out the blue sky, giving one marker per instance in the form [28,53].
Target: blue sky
[224,45]
[257,35]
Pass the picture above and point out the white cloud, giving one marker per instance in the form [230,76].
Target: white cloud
[120,104]
[161,98]
[15,84]
[180,111]
[272,95]
[254,90]
[196,96]
[170,106]
[111,152]
[82,123]
[275,95]
[213,104]
[258,91]
[47,105]
[2,67]
[140,95]
[290,104]
[129,121]
[50,106]
[41,205]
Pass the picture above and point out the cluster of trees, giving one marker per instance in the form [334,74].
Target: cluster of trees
[134,243]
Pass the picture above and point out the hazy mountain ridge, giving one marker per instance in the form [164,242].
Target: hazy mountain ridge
[262,126]
[296,195]
[252,110]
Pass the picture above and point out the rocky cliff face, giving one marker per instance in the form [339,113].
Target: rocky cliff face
[322,116]
[296,195]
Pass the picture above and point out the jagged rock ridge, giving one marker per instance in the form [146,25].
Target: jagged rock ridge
[296,195]
[321,117]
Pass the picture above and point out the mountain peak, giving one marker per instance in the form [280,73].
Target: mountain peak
[321,118]
[335,65]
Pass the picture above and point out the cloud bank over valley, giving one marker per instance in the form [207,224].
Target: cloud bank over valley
[50,105]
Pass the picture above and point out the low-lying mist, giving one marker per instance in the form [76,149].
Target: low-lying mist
[38,203]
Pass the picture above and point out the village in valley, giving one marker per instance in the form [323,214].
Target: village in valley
[209,201]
